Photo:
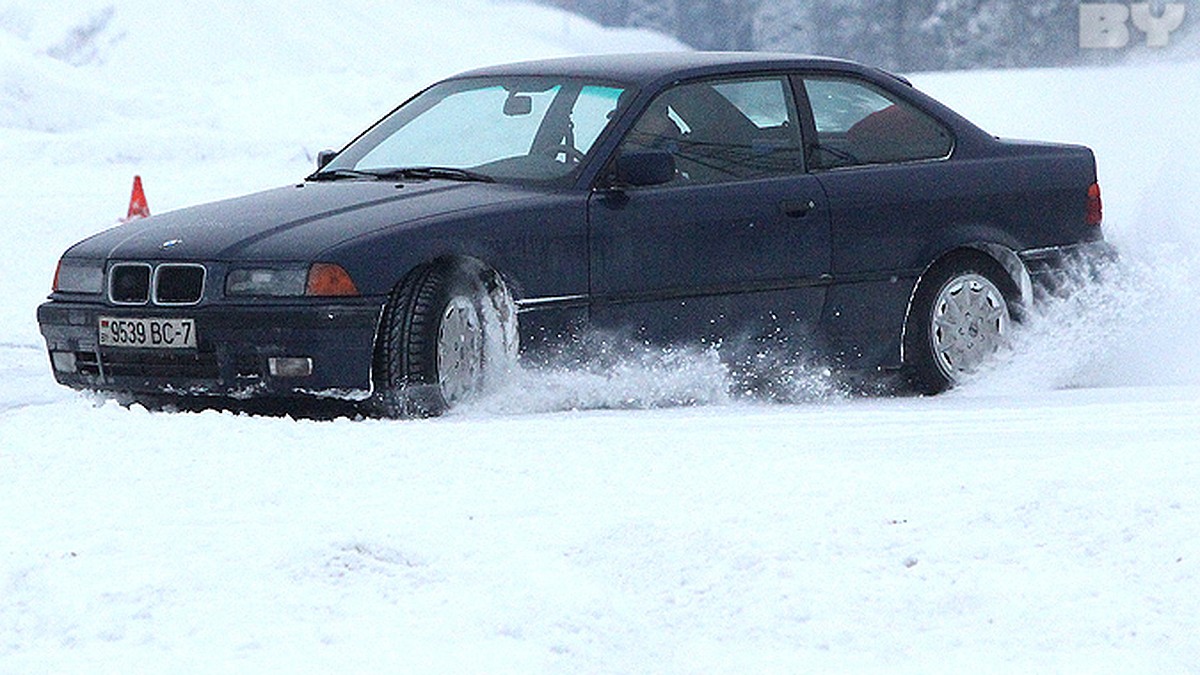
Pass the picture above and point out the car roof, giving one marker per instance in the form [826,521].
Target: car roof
[642,69]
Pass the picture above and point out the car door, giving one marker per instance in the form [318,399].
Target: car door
[737,245]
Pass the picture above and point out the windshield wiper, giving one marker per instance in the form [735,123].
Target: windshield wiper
[446,172]
[334,174]
[417,172]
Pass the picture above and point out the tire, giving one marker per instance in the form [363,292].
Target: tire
[448,329]
[962,314]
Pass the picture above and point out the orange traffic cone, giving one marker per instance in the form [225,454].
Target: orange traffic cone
[137,201]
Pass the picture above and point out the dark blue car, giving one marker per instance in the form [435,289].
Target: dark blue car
[683,198]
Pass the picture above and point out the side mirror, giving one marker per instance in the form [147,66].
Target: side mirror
[324,157]
[642,168]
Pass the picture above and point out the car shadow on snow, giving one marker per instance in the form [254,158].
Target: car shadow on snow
[305,408]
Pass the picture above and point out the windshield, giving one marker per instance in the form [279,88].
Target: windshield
[520,129]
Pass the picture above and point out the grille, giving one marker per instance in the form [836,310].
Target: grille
[167,284]
[129,284]
[178,284]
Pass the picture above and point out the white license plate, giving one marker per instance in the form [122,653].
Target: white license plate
[148,333]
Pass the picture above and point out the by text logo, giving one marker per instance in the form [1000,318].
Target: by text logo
[1105,25]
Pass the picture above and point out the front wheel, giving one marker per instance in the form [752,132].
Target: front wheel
[959,319]
[447,328]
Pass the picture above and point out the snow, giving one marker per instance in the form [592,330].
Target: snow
[1043,518]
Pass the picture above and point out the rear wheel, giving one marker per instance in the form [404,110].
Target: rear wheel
[448,328]
[960,318]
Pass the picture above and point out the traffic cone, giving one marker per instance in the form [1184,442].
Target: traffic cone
[137,201]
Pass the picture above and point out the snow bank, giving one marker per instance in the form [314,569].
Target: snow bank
[143,82]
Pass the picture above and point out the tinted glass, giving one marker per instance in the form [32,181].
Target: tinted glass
[723,130]
[859,124]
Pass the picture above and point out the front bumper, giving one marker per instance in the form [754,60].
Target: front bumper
[233,354]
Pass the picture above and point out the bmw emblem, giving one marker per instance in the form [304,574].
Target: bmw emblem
[170,243]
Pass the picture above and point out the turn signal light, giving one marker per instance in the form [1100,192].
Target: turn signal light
[1095,207]
[327,279]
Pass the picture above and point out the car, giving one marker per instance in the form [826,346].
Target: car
[679,198]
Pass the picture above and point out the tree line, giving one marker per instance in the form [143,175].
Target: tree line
[903,35]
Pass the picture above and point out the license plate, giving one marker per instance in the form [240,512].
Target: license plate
[148,333]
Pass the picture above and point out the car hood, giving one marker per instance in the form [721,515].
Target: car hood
[293,223]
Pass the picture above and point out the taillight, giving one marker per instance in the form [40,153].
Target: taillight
[1095,207]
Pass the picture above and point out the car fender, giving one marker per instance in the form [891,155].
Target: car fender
[539,245]
[998,243]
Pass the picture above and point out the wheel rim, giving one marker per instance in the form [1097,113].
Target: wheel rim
[970,323]
[459,349]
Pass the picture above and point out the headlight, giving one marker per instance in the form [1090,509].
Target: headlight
[318,279]
[79,276]
[267,282]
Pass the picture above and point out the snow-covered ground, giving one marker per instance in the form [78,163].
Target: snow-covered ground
[1042,519]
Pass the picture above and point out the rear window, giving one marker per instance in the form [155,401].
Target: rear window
[858,124]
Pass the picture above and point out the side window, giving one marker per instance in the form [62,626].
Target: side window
[858,124]
[723,130]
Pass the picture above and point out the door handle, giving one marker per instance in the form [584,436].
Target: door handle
[796,208]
